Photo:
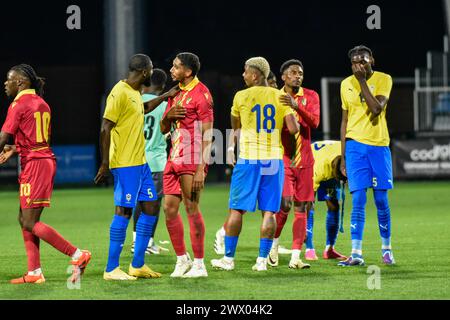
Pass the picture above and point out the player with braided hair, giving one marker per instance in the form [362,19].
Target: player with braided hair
[28,120]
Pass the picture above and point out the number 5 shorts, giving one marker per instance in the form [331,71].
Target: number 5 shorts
[36,183]
[368,166]
[133,184]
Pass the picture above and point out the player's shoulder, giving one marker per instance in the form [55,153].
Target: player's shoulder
[119,89]
[202,91]
[310,92]
[347,81]
[382,76]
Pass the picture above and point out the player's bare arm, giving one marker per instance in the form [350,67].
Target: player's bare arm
[174,114]
[205,153]
[311,119]
[8,152]
[154,103]
[292,124]
[375,104]
[105,142]
[235,125]
[343,133]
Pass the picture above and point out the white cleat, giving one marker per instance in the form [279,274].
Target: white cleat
[273,257]
[298,264]
[184,264]
[223,264]
[261,264]
[198,270]
[219,243]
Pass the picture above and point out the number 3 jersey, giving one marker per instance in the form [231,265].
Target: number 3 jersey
[28,119]
[262,118]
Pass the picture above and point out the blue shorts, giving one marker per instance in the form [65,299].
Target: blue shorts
[329,190]
[368,166]
[132,184]
[257,180]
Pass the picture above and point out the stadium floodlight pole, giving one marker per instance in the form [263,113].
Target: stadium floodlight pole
[325,109]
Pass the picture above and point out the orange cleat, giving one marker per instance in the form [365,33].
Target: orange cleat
[80,264]
[29,279]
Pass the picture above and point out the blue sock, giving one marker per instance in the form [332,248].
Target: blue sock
[264,247]
[309,230]
[384,217]
[144,229]
[230,246]
[359,200]
[117,235]
[332,227]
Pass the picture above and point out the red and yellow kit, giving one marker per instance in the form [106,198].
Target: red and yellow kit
[185,154]
[28,119]
[298,157]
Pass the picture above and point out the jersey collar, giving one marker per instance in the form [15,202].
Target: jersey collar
[190,86]
[300,92]
[24,92]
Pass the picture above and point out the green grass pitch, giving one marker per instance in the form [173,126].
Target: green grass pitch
[420,219]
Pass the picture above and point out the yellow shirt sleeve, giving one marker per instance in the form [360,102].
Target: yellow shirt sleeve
[385,86]
[235,112]
[343,100]
[113,107]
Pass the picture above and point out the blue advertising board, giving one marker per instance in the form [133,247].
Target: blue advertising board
[75,163]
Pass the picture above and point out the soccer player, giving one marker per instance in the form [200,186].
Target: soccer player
[191,114]
[298,161]
[258,174]
[155,151]
[122,148]
[272,80]
[28,120]
[365,143]
[327,187]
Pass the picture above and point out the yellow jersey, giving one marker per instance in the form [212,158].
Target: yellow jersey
[362,125]
[262,119]
[324,153]
[124,107]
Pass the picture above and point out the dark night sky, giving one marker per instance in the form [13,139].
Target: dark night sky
[223,33]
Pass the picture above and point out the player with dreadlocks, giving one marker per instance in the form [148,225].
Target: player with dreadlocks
[28,120]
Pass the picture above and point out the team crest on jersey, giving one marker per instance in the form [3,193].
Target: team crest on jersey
[304,101]
[128,197]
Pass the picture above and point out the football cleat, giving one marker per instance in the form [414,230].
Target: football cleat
[39,279]
[182,266]
[331,253]
[118,275]
[310,254]
[198,270]
[273,257]
[223,264]
[388,258]
[143,272]
[351,262]
[261,264]
[219,243]
[80,265]
[298,264]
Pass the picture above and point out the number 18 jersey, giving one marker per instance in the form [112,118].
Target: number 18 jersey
[28,120]
[262,118]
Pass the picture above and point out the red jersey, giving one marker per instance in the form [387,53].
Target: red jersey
[28,120]
[297,148]
[187,137]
